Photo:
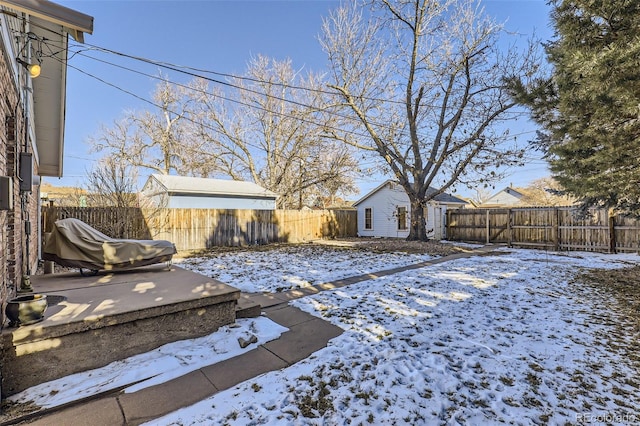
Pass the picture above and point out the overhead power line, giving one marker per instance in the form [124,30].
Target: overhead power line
[197,72]
[80,50]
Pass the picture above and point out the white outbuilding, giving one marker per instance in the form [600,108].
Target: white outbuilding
[183,192]
[386,211]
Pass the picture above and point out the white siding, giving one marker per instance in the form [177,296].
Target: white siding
[211,202]
[158,195]
[384,204]
[506,197]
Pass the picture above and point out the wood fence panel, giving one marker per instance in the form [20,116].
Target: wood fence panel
[626,233]
[197,229]
[532,227]
[121,222]
[467,225]
[558,228]
[498,225]
[588,232]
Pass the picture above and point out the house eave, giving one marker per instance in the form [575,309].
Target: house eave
[73,22]
[53,23]
[220,195]
[382,185]
[373,191]
[49,102]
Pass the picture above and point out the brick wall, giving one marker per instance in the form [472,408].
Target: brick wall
[8,103]
[13,247]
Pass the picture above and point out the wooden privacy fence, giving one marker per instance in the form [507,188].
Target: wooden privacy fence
[196,229]
[556,228]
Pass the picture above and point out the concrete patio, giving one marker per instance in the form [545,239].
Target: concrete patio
[111,316]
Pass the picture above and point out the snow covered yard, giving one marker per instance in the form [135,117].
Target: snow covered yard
[486,340]
[517,337]
[293,266]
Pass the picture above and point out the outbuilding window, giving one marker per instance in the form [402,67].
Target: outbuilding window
[402,218]
[368,218]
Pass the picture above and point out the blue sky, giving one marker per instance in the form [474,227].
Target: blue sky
[220,36]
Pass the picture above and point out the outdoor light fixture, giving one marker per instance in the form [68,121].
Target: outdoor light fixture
[29,53]
[34,69]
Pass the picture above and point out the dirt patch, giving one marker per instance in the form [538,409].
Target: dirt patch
[392,245]
[623,285]
[375,245]
[11,411]
[618,291]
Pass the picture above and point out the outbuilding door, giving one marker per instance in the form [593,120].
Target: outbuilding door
[438,224]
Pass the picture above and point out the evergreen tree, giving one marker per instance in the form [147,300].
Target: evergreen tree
[590,107]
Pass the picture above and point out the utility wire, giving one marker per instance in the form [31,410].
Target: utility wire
[193,73]
[176,68]
[353,133]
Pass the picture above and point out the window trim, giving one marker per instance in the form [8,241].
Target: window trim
[399,216]
[370,228]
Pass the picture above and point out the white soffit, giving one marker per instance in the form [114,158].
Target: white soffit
[49,100]
[73,22]
[52,22]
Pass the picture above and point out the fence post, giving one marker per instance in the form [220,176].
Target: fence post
[612,232]
[488,228]
[509,229]
[556,228]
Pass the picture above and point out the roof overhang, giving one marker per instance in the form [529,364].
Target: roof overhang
[71,21]
[54,23]
[270,196]
[49,101]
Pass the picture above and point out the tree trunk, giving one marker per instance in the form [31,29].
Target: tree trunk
[418,223]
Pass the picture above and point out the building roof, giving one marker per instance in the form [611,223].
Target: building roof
[51,22]
[193,185]
[511,191]
[71,21]
[504,197]
[444,198]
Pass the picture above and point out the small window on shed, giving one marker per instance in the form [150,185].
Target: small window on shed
[368,218]
[402,218]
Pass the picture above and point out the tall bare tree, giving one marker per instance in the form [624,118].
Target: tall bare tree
[149,139]
[428,85]
[270,131]
[546,191]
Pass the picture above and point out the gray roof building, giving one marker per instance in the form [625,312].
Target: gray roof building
[191,192]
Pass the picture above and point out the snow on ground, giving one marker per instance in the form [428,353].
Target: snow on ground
[496,339]
[289,267]
[505,338]
[158,366]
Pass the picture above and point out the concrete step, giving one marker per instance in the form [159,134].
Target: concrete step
[110,317]
[247,308]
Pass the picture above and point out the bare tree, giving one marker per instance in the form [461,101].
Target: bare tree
[271,131]
[114,184]
[482,195]
[428,87]
[149,139]
[545,192]
[111,183]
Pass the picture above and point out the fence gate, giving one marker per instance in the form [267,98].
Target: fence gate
[555,228]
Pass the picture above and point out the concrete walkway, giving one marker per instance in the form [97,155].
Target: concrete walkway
[306,335]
